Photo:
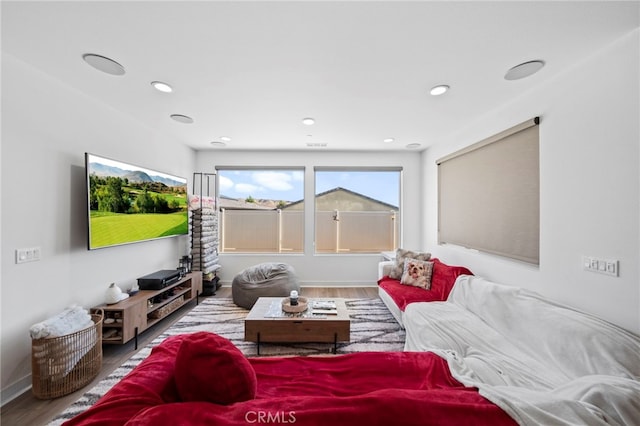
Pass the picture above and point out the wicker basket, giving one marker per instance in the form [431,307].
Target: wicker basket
[61,365]
[167,309]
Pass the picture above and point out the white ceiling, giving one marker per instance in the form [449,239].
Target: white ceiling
[253,70]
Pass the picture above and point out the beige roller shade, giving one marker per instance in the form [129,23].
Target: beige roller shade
[489,194]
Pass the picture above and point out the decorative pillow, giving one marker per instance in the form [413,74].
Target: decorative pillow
[210,368]
[401,254]
[417,273]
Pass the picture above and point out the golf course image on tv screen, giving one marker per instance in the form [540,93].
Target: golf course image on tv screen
[129,204]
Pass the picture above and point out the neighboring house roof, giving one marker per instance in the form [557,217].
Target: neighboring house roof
[240,204]
[348,194]
[259,204]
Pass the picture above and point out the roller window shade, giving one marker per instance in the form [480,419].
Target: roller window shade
[489,195]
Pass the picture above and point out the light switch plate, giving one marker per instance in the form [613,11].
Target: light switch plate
[28,255]
[602,266]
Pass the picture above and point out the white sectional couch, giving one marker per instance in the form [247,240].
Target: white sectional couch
[397,296]
[542,362]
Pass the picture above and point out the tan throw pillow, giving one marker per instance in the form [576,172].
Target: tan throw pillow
[417,273]
[401,254]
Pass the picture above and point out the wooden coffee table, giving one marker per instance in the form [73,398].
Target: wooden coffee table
[261,325]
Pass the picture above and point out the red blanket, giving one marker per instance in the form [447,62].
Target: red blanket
[443,278]
[373,388]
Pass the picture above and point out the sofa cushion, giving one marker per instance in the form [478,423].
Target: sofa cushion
[401,255]
[417,273]
[442,279]
[210,368]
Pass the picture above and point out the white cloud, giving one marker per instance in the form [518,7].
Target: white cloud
[225,183]
[277,181]
[247,188]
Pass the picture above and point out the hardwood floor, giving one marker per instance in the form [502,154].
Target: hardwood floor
[28,410]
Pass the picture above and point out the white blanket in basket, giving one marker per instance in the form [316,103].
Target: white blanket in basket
[56,358]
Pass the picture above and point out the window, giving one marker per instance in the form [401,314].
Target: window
[357,210]
[261,210]
[489,194]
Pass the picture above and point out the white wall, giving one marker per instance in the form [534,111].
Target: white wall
[325,269]
[590,196]
[46,129]
[589,185]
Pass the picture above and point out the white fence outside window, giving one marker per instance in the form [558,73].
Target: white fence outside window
[282,231]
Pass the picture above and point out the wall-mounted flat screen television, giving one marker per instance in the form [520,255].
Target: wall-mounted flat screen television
[128,204]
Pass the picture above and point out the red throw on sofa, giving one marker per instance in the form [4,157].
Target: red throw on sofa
[203,379]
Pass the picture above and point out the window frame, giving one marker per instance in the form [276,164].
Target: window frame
[357,169]
[280,249]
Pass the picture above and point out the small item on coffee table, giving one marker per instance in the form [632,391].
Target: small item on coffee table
[324,307]
[293,298]
[300,307]
[324,304]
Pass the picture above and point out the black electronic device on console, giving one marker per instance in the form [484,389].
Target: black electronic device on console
[159,279]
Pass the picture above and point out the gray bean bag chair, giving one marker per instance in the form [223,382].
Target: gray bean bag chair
[263,280]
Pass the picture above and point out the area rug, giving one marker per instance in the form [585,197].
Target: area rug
[373,328]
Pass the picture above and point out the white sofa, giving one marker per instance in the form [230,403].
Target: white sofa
[542,362]
[383,270]
[397,296]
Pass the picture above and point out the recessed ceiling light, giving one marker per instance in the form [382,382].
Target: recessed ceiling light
[413,146]
[218,144]
[524,70]
[103,64]
[225,138]
[162,87]
[388,140]
[308,121]
[182,118]
[438,90]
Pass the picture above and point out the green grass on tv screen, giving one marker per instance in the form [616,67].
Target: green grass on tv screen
[121,228]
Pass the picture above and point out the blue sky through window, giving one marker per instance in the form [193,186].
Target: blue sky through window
[288,185]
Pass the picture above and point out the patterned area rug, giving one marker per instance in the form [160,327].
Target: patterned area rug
[373,328]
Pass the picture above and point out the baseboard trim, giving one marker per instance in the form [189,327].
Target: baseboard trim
[15,389]
[322,284]
[328,284]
